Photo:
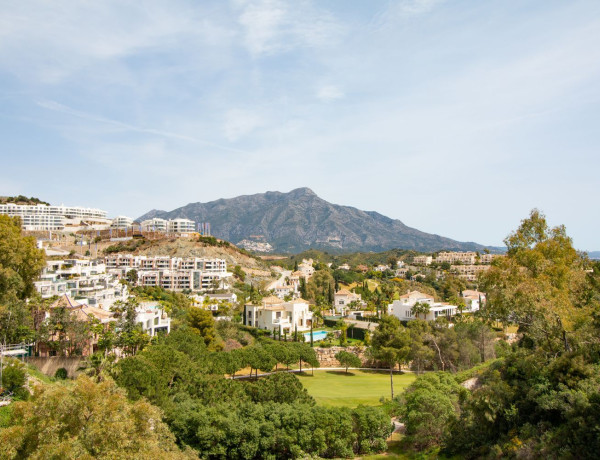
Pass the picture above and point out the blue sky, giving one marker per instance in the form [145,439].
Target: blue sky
[456,117]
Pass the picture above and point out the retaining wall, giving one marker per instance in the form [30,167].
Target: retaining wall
[49,365]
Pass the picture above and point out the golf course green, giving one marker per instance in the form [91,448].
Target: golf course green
[336,388]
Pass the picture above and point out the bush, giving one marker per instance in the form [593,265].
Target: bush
[13,380]
[61,373]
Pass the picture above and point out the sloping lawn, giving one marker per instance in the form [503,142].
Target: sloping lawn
[335,388]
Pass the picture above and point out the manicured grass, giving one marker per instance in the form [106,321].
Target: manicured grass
[335,388]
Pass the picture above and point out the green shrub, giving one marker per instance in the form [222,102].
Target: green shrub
[61,373]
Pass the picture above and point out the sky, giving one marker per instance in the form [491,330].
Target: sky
[456,117]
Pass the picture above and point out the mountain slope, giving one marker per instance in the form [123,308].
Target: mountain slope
[298,220]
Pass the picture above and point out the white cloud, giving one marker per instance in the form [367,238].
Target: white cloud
[275,26]
[239,123]
[330,93]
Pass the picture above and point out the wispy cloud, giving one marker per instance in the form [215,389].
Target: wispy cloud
[330,93]
[57,107]
[275,26]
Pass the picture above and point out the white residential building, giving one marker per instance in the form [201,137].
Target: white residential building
[306,268]
[152,318]
[174,273]
[422,260]
[488,258]
[42,217]
[343,298]
[87,281]
[154,225]
[403,308]
[181,226]
[122,222]
[456,257]
[381,268]
[275,314]
[473,299]
[469,272]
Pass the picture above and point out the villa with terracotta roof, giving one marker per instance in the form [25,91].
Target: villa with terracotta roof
[150,316]
[343,298]
[473,299]
[274,314]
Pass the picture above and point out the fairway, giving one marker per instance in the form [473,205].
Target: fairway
[335,388]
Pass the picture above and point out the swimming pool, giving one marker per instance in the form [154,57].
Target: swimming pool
[317,335]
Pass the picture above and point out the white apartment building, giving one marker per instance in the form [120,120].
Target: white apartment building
[41,217]
[174,273]
[154,225]
[86,281]
[469,272]
[488,258]
[275,314]
[171,226]
[403,308]
[422,260]
[129,261]
[181,226]
[456,257]
[122,222]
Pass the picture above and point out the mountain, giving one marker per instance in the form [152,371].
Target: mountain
[299,220]
[594,255]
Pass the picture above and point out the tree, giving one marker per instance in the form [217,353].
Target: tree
[130,336]
[203,322]
[20,260]
[132,276]
[348,359]
[87,420]
[429,403]
[421,308]
[540,285]
[391,344]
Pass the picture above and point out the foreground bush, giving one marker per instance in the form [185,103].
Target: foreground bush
[86,421]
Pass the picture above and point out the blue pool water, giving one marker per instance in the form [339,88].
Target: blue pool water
[317,335]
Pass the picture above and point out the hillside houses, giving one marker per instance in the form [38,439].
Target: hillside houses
[87,281]
[150,316]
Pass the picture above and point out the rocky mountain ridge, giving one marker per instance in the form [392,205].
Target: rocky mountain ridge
[298,220]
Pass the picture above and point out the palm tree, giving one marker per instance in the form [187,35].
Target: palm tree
[421,308]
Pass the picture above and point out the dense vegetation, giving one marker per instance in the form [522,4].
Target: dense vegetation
[541,399]
[271,417]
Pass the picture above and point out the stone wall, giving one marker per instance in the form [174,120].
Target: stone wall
[326,356]
[49,365]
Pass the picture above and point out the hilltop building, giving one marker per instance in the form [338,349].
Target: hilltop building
[169,226]
[41,217]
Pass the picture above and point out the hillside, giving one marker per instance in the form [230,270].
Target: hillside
[299,220]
